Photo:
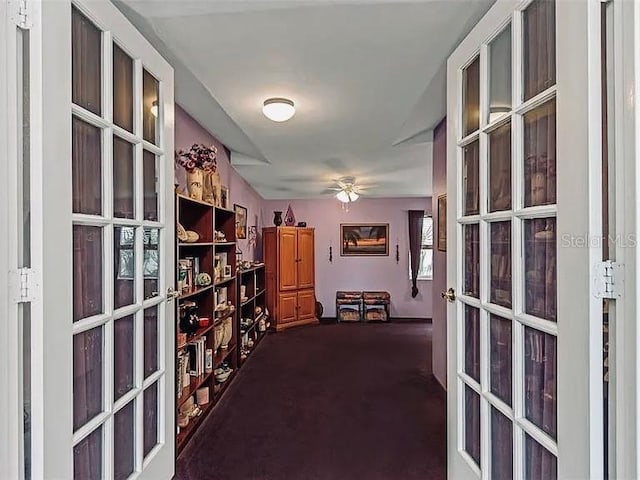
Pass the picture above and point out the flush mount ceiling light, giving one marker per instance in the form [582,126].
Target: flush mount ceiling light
[278,109]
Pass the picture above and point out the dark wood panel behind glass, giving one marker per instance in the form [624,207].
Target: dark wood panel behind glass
[500,357]
[471,98]
[540,155]
[122,89]
[472,342]
[124,442]
[87,456]
[472,423]
[472,260]
[501,446]
[471,178]
[500,168]
[150,185]
[86,63]
[150,432]
[539,36]
[540,268]
[123,179]
[540,380]
[87,271]
[86,168]
[87,376]
[150,94]
[540,463]
[150,340]
[123,351]
[500,287]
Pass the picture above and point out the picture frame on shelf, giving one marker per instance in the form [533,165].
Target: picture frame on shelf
[224,197]
[364,239]
[241,221]
[227,271]
[442,223]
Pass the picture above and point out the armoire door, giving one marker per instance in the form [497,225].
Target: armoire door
[306,304]
[306,258]
[287,255]
[287,308]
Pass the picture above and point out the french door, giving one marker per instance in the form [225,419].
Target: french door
[524,204]
[103,407]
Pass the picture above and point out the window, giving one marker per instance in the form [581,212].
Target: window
[425,269]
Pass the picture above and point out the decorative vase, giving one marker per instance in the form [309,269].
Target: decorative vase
[219,334]
[277,218]
[195,183]
[228,333]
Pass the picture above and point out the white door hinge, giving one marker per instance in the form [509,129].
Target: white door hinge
[20,13]
[24,285]
[608,279]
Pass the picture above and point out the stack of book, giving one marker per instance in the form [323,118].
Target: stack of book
[196,351]
[188,270]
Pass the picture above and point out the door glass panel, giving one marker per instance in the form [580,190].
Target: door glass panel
[539,50]
[472,423]
[151,262]
[500,351]
[150,186]
[122,179]
[540,267]
[122,89]
[540,384]
[150,418]
[124,438]
[500,291]
[540,155]
[87,271]
[124,336]
[86,168]
[150,107]
[124,271]
[472,260]
[472,342]
[500,75]
[540,464]
[500,168]
[471,98]
[471,179]
[86,63]
[501,446]
[87,456]
[150,341]
[87,376]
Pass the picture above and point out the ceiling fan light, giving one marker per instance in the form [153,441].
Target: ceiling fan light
[353,196]
[343,196]
[278,109]
[154,108]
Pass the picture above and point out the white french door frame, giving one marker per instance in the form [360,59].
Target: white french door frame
[53,436]
[578,211]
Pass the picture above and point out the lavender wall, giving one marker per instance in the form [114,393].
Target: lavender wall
[439,284]
[188,132]
[362,273]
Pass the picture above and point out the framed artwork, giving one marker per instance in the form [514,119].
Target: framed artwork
[364,239]
[224,197]
[442,223]
[241,221]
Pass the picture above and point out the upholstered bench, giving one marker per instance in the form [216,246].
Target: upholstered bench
[376,306]
[348,306]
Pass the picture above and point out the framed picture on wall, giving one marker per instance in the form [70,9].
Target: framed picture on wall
[241,221]
[442,223]
[224,197]
[364,239]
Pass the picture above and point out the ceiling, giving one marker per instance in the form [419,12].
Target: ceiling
[367,78]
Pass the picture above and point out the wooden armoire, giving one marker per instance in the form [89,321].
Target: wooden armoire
[288,254]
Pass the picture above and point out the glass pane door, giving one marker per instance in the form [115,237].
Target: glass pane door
[507,375]
[119,241]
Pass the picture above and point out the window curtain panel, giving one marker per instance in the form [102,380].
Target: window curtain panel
[415,241]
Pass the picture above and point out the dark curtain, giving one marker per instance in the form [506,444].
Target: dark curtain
[539,32]
[415,242]
[86,63]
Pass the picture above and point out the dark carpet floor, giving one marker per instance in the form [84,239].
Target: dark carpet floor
[328,402]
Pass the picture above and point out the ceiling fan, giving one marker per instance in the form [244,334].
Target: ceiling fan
[348,190]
